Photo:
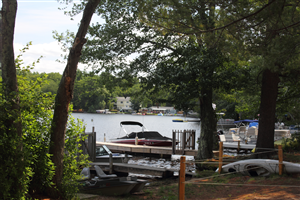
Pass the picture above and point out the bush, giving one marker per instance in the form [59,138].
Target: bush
[291,144]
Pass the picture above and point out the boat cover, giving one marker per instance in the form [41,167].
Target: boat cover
[131,123]
[246,121]
[146,134]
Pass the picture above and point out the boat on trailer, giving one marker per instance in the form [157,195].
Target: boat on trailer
[144,137]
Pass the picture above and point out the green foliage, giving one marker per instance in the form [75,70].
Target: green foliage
[34,174]
[291,144]
[36,169]
[36,120]
[74,160]
[90,94]
[14,182]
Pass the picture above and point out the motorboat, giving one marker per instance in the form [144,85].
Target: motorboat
[103,152]
[246,121]
[177,120]
[95,181]
[144,137]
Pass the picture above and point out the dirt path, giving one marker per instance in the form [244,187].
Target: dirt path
[238,188]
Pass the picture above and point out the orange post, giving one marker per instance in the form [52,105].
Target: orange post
[280,159]
[182,179]
[220,156]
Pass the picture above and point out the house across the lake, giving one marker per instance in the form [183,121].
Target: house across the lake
[123,104]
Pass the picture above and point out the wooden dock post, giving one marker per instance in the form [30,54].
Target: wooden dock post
[220,156]
[193,139]
[93,144]
[280,159]
[182,179]
[173,142]
[183,141]
[239,146]
[110,163]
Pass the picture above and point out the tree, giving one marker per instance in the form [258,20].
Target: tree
[90,95]
[10,129]
[64,97]
[269,32]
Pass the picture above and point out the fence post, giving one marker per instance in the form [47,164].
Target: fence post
[183,142]
[94,144]
[194,139]
[173,142]
[220,156]
[280,159]
[182,178]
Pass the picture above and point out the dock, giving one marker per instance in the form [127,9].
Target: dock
[139,169]
[236,145]
[127,148]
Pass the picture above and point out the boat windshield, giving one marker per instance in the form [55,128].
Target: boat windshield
[102,151]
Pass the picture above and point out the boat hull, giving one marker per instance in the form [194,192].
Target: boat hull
[147,142]
[109,187]
[260,167]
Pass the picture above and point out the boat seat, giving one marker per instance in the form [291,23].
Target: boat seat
[242,129]
[233,130]
[85,173]
[252,131]
[101,174]
[235,137]
[222,138]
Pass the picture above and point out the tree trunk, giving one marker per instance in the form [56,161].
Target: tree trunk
[10,129]
[64,97]
[269,91]
[208,124]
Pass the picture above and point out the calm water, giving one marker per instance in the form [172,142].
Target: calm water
[110,124]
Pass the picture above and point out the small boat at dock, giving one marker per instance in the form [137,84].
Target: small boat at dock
[144,137]
[95,181]
[103,152]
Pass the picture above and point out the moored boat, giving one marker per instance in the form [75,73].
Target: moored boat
[144,137]
[103,184]
[103,152]
[177,120]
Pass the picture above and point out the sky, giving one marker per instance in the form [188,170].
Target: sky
[35,21]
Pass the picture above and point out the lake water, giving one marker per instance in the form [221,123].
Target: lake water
[110,124]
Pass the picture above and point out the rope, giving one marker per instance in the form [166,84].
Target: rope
[253,185]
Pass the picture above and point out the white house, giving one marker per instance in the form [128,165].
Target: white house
[123,104]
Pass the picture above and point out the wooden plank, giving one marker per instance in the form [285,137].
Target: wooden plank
[235,146]
[190,152]
[140,149]
[161,151]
